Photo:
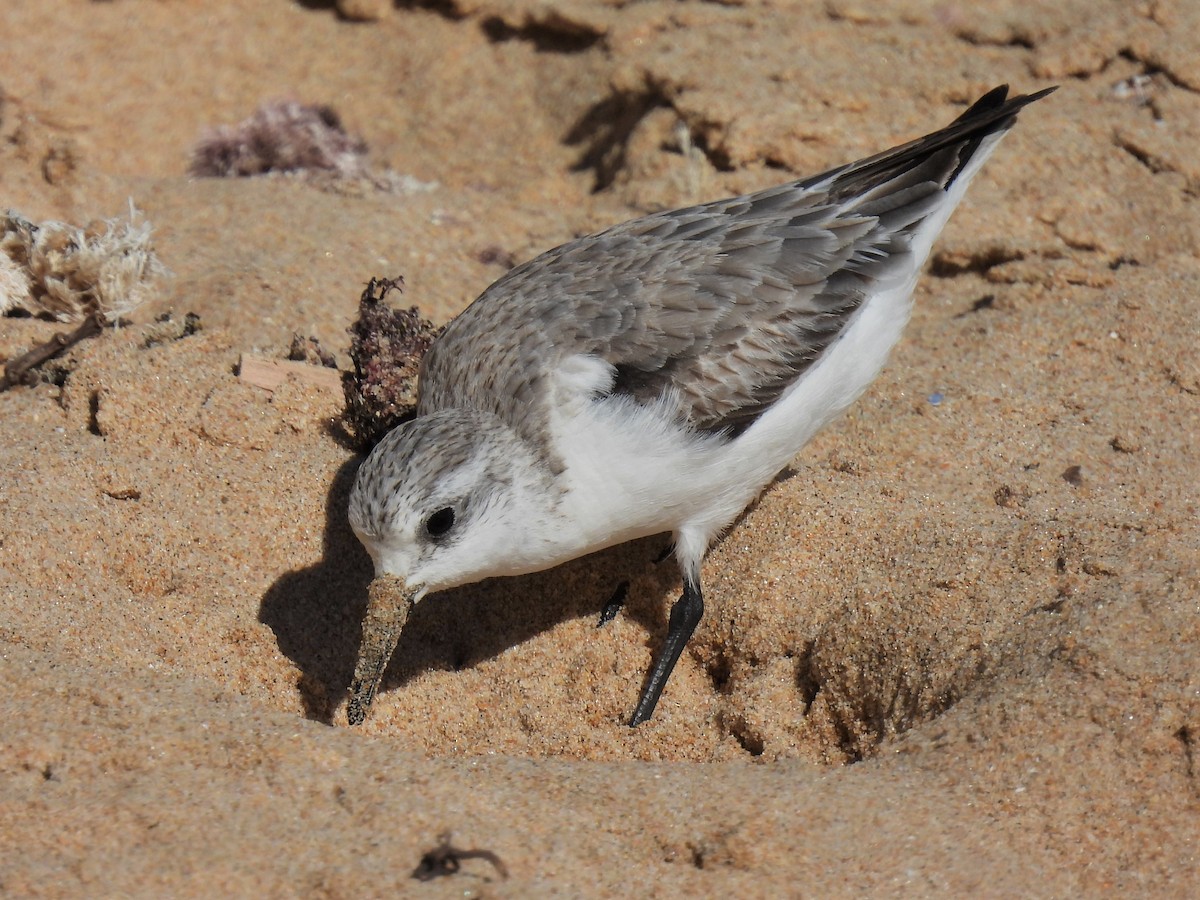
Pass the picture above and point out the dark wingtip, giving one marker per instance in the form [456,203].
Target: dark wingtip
[997,98]
[991,100]
[994,111]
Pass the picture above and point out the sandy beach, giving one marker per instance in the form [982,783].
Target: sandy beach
[954,648]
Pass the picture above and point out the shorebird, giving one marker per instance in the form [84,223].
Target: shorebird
[652,378]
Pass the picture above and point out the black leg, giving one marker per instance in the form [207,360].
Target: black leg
[613,606]
[685,616]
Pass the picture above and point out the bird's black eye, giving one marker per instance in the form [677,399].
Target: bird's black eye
[440,522]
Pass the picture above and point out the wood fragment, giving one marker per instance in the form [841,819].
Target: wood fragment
[269,374]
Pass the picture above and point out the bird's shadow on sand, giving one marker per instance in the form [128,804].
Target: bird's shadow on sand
[316,612]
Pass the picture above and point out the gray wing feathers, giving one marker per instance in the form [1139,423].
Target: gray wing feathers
[720,306]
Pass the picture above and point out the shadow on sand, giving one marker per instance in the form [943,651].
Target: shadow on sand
[316,612]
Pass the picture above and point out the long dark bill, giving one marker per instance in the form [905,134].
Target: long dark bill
[388,604]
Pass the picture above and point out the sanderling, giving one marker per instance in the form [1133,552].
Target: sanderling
[652,378]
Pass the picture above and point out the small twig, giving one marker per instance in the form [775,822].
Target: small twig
[446,859]
[20,370]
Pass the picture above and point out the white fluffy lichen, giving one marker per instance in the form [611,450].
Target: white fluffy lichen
[62,271]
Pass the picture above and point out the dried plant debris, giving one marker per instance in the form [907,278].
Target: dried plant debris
[446,859]
[68,273]
[41,364]
[24,368]
[299,139]
[281,136]
[95,276]
[386,347]
[14,284]
[168,327]
[494,254]
[309,350]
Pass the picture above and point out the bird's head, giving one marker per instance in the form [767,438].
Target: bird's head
[445,499]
